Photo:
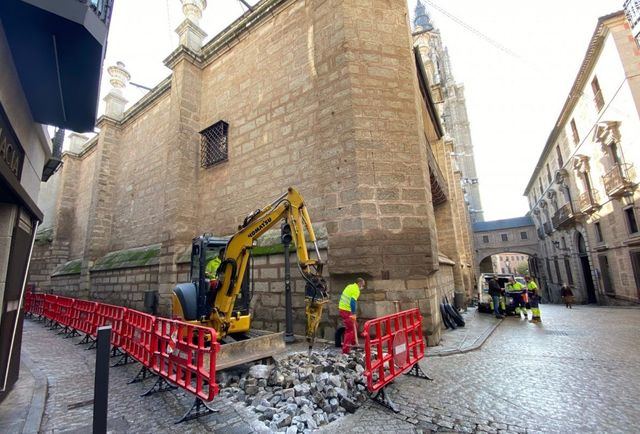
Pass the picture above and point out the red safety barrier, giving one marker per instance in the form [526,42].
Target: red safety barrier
[63,311]
[108,314]
[50,306]
[137,336]
[83,316]
[185,355]
[28,301]
[393,345]
[37,304]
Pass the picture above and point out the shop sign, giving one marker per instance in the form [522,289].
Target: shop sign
[11,152]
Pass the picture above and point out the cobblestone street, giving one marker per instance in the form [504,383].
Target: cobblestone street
[578,371]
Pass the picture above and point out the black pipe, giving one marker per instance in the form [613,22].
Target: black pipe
[286,240]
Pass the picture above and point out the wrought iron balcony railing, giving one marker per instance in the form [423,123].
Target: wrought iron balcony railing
[589,201]
[548,229]
[619,180]
[563,217]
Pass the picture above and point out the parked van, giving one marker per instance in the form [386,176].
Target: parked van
[483,287]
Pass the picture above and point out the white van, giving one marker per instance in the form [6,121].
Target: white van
[503,279]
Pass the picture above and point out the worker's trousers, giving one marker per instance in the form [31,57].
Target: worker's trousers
[518,303]
[349,337]
[534,303]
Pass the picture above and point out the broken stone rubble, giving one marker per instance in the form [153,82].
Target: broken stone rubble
[299,393]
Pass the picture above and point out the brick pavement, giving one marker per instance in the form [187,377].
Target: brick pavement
[578,371]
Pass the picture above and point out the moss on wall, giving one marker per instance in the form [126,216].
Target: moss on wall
[70,267]
[129,258]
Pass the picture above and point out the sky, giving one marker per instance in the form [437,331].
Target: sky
[513,98]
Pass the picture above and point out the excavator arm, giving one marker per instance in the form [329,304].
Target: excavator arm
[291,208]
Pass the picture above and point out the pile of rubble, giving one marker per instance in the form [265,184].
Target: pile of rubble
[300,392]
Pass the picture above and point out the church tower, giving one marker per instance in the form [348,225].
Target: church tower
[450,100]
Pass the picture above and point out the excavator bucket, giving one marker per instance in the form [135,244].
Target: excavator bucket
[249,350]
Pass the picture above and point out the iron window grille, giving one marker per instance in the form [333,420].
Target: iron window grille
[214,144]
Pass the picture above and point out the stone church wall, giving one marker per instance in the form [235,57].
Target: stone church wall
[139,192]
[320,95]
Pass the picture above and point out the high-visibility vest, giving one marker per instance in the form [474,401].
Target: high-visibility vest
[351,291]
[515,287]
[212,266]
[531,286]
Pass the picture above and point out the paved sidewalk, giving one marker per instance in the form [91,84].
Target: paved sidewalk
[69,406]
[478,327]
[22,409]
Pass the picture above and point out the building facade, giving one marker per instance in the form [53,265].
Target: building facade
[451,103]
[41,83]
[496,238]
[325,96]
[582,193]
[510,263]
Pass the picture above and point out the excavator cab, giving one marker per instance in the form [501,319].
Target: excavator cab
[196,297]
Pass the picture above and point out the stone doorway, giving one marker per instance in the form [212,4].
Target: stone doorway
[586,270]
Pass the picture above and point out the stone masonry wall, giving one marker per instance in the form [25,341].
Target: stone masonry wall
[124,287]
[320,95]
[83,172]
[67,285]
[44,260]
[139,196]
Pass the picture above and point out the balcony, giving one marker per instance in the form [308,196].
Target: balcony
[548,229]
[564,217]
[540,233]
[57,48]
[619,180]
[589,201]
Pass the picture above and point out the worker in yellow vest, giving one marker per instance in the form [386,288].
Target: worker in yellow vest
[515,290]
[211,273]
[212,266]
[347,308]
[534,299]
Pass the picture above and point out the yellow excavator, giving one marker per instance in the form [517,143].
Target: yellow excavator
[223,303]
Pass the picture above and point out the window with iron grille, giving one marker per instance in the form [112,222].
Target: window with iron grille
[214,144]
[523,235]
[504,237]
[485,239]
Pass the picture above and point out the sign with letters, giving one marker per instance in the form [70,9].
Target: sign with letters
[11,151]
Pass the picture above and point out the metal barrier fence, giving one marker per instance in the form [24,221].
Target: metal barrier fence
[179,354]
[393,346]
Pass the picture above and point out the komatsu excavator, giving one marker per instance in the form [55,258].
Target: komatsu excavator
[223,303]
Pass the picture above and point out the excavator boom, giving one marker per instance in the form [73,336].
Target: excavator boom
[289,207]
